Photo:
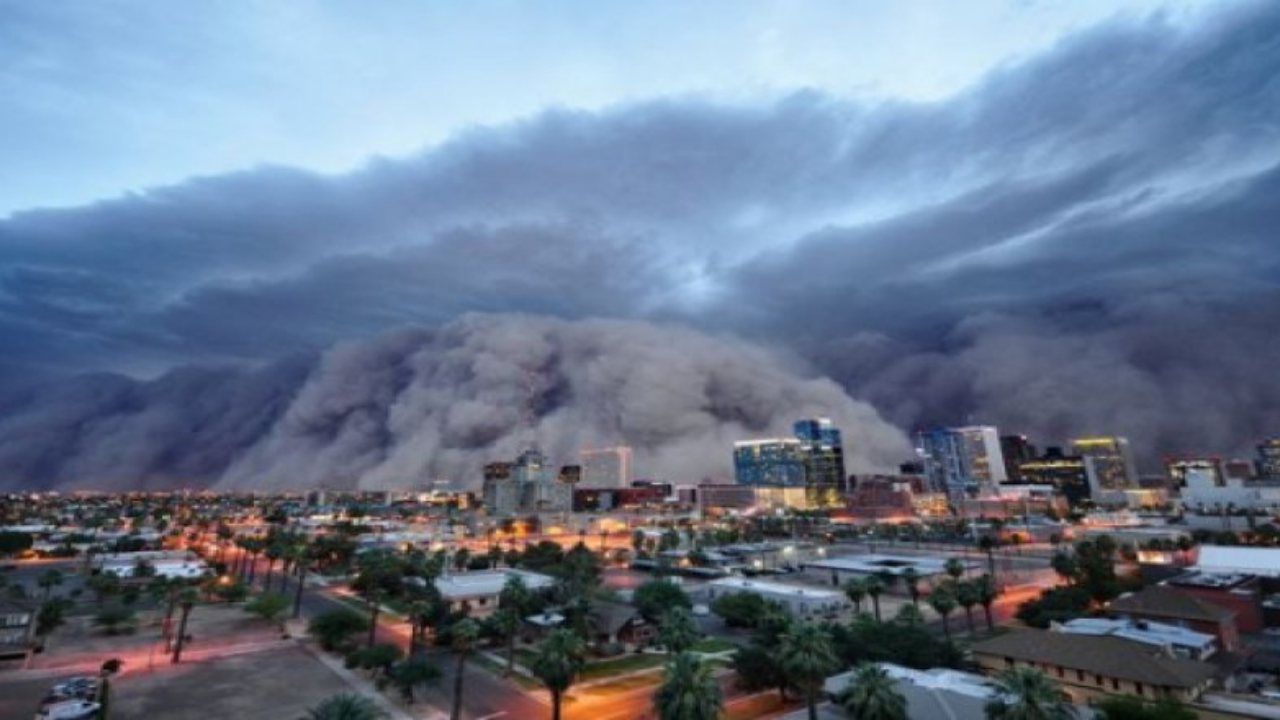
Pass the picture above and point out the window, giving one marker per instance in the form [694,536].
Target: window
[1079,676]
[1009,662]
[1139,687]
[1098,678]
[1061,672]
[1115,684]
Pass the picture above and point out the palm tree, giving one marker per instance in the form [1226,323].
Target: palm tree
[872,695]
[689,690]
[954,568]
[301,556]
[967,596]
[346,707]
[874,586]
[1024,693]
[943,601]
[988,545]
[375,598]
[857,592]
[806,657]
[911,580]
[508,622]
[465,632]
[677,630]
[556,664]
[187,599]
[48,580]
[987,594]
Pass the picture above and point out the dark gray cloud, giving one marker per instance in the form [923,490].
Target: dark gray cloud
[1083,242]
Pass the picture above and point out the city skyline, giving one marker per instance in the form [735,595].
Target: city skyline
[315,244]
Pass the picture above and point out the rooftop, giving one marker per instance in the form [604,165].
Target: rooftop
[1108,656]
[1220,559]
[1151,633]
[885,563]
[774,588]
[1167,602]
[483,583]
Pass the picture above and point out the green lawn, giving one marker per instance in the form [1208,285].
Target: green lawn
[617,666]
[712,645]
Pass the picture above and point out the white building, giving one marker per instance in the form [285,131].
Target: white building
[801,601]
[477,592]
[1180,641]
[606,467]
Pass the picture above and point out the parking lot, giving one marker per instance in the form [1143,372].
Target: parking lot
[280,683]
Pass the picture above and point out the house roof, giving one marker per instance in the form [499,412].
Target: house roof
[1239,560]
[1110,657]
[610,617]
[1165,601]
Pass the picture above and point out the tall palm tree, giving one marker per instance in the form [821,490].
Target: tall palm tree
[677,630]
[942,600]
[988,545]
[301,555]
[806,657]
[48,580]
[689,690]
[911,581]
[857,592]
[346,707]
[556,664]
[874,586]
[987,594]
[872,695]
[375,598]
[1024,693]
[967,596]
[187,599]
[508,622]
[465,632]
[954,568]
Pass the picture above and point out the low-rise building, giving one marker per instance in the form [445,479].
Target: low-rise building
[800,601]
[1182,642]
[477,592]
[1166,604]
[838,570]
[15,627]
[1090,667]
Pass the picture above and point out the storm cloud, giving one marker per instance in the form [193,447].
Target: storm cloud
[1085,241]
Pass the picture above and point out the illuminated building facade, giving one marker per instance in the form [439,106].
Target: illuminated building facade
[1016,449]
[823,453]
[1072,475]
[1113,463]
[529,484]
[606,467]
[1199,471]
[774,461]
[962,462]
[1269,459]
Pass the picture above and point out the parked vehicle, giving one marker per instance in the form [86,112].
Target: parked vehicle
[69,710]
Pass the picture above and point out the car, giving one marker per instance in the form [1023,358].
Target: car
[69,710]
[76,683]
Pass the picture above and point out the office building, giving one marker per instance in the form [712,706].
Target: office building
[773,461]
[1269,459]
[823,453]
[1016,449]
[962,462]
[606,467]
[1073,476]
[1113,464]
[527,485]
[1197,471]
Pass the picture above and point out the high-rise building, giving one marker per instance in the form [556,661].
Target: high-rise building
[823,452]
[962,462]
[1071,475]
[1112,461]
[606,467]
[1016,450]
[1269,459]
[773,461]
[529,484]
[1200,471]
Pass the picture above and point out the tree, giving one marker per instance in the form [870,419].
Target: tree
[378,659]
[872,695]
[334,627]
[654,597]
[739,609]
[556,663]
[943,601]
[270,606]
[13,543]
[346,707]
[689,690]
[756,668]
[988,545]
[104,585]
[988,593]
[464,633]
[677,630]
[857,592]
[115,620]
[954,568]
[874,587]
[49,579]
[1024,693]
[806,657]
[186,599]
[967,597]
[1064,566]
[911,581]
[1128,707]
[410,673]
[1058,604]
